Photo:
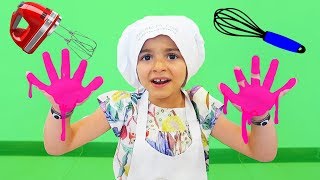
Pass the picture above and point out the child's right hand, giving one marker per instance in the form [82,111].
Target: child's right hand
[65,92]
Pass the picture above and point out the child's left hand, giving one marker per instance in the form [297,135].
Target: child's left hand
[255,100]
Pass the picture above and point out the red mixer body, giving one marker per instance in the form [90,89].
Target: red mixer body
[41,23]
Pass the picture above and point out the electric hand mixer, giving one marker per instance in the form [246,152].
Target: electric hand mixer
[233,22]
[42,22]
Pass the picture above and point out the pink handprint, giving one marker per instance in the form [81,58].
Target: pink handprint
[66,92]
[255,99]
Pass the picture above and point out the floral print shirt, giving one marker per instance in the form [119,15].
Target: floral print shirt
[167,128]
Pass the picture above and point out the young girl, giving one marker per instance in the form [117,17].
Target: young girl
[163,130]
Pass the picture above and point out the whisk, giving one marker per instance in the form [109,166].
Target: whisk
[80,44]
[233,22]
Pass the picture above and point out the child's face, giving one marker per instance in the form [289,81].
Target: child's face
[161,68]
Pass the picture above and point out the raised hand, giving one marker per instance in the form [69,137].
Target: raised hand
[66,92]
[255,99]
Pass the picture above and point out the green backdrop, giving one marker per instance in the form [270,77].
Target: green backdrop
[23,118]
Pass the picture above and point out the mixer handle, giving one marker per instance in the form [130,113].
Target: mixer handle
[17,33]
[16,18]
[283,42]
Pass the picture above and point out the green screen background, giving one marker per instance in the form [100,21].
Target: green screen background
[23,118]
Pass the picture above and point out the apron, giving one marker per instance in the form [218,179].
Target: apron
[149,164]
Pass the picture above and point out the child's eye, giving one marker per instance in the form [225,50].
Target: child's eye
[172,56]
[146,57]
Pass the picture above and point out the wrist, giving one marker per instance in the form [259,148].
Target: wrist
[260,118]
[261,122]
[57,115]
[56,108]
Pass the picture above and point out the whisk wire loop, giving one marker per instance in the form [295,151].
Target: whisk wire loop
[78,45]
[224,17]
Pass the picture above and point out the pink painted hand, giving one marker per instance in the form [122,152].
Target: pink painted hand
[65,93]
[254,99]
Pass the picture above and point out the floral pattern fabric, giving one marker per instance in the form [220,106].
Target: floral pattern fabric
[167,130]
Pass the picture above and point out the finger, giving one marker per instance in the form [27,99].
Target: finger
[268,81]
[93,85]
[255,71]
[52,73]
[241,79]
[285,88]
[79,74]
[227,92]
[65,65]
[225,101]
[35,81]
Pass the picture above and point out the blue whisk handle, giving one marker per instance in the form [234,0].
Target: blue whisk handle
[283,42]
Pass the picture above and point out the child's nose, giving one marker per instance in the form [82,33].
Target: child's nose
[160,65]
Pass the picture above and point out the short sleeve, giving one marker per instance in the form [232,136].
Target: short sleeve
[207,116]
[117,107]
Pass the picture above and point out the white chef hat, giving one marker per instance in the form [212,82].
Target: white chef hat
[182,30]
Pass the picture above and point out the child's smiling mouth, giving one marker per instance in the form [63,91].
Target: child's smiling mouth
[160,82]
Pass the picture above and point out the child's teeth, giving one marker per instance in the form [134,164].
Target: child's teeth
[160,80]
